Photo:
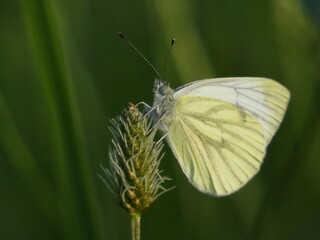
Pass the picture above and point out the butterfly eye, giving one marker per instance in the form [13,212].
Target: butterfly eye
[162,90]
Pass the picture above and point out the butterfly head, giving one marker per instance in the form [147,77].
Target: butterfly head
[161,89]
[163,99]
[162,92]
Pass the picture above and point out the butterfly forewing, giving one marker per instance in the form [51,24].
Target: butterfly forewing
[263,98]
[219,145]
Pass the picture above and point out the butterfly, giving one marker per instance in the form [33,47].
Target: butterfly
[219,128]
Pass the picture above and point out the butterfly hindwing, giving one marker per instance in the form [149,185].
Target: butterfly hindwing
[219,146]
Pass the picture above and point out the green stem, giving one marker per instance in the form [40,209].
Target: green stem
[195,44]
[135,227]
[78,213]
[18,153]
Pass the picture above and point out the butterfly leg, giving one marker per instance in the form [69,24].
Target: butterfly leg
[151,109]
[159,120]
[144,104]
[163,137]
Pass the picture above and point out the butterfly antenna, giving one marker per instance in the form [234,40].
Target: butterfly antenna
[167,57]
[140,54]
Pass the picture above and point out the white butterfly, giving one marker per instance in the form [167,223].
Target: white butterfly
[219,128]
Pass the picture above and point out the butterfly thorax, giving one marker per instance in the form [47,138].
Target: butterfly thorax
[163,104]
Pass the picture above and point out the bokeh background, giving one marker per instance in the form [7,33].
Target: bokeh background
[64,72]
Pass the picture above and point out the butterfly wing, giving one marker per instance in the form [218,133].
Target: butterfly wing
[263,98]
[221,128]
[219,146]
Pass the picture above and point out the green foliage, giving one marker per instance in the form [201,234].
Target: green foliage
[64,72]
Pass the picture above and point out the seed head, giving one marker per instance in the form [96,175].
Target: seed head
[134,176]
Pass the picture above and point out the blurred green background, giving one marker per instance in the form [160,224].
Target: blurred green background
[64,72]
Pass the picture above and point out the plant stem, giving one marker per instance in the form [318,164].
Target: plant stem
[135,227]
[73,179]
